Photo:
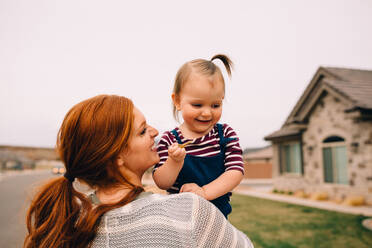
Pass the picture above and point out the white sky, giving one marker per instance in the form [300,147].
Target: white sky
[54,54]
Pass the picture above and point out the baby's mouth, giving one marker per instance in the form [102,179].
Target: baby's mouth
[204,121]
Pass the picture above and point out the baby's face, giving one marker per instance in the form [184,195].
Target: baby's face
[200,103]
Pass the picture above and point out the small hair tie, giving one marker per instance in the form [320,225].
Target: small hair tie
[69,177]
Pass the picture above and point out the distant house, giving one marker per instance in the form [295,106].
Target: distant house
[21,157]
[258,163]
[325,145]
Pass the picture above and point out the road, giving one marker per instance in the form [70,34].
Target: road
[15,193]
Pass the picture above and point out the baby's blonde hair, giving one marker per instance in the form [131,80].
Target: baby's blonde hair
[205,67]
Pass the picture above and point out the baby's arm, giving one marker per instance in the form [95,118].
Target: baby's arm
[232,176]
[165,175]
[220,186]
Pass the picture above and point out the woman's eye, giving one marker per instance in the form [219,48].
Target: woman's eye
[143,131]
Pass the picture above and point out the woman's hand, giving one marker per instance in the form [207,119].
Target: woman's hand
[194,188]
[176,153]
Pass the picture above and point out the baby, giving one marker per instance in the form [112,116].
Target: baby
[201,155]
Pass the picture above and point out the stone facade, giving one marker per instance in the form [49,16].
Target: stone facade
[328,118]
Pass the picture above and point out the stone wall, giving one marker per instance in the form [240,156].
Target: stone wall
[329,119]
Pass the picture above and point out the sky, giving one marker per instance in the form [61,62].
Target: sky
[54,54]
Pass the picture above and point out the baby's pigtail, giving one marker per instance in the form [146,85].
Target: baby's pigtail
[226,61]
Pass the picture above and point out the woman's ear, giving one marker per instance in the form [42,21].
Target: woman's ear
[120,160]
[176,101]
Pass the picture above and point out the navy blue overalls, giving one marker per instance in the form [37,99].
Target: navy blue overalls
[203,170]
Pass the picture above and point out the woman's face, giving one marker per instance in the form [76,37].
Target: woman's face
[141,152]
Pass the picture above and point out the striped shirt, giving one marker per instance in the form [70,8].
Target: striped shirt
[205,146]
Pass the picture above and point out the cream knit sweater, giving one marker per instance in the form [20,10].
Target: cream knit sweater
[178,220]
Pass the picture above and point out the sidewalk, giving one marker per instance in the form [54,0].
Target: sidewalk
[246,189]
[11,173]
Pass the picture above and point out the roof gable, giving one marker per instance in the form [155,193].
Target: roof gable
[353,86]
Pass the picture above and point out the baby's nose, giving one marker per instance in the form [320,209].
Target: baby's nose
[206,111]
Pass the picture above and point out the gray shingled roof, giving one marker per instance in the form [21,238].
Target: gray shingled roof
[353,75]
[354,84]
[263,153]
[284,132]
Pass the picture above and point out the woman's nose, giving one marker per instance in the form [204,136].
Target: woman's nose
[154,132]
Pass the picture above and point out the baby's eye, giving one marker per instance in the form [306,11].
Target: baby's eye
[196,105]
[216,105]
[143,131]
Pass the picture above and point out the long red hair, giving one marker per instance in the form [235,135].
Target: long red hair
[92,135]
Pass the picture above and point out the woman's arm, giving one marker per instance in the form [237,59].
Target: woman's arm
[211,229]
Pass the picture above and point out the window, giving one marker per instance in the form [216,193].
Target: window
[335,160]
[290,158]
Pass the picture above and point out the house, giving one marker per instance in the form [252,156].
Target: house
[21,157]
[258,163]
[325,144]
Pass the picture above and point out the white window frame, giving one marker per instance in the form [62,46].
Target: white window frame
[283,163]
[334,168]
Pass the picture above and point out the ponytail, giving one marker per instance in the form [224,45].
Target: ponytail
[57,219]
[226,61]
[52,214]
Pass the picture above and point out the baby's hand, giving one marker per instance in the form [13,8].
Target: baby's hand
[194,188]
[176,153]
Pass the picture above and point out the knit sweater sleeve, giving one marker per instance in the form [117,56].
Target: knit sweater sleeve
[211,229]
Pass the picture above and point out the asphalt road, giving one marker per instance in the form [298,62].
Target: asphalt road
[15,194]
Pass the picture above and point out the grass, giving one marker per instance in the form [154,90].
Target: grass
[271,224]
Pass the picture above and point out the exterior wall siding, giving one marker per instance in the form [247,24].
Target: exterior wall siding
[257,170]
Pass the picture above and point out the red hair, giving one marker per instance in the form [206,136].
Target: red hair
[93,133]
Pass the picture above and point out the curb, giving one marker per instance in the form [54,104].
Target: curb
[367,223]
[360,210]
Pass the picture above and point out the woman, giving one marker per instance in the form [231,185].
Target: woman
[106,143]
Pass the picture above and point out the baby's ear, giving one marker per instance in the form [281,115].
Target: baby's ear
[176,101]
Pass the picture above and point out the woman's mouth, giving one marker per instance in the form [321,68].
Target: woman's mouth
[153,148]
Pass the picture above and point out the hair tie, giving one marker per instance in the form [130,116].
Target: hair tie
[69,177]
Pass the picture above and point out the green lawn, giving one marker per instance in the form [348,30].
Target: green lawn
[277,225]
